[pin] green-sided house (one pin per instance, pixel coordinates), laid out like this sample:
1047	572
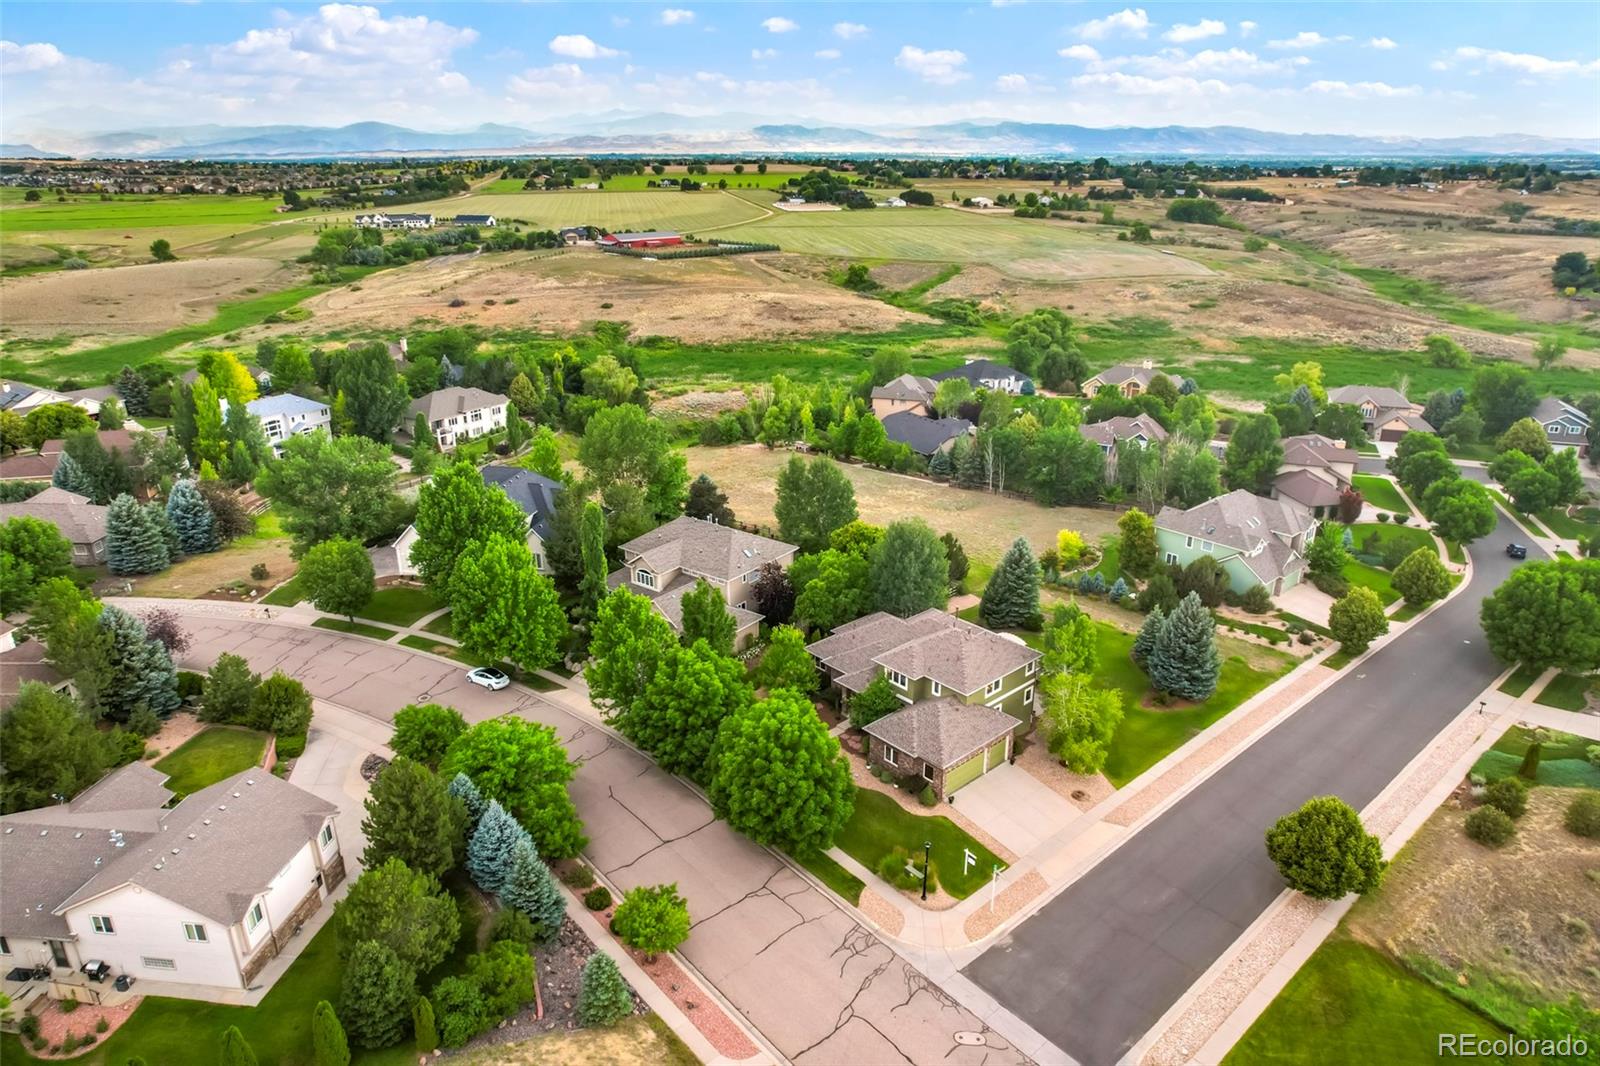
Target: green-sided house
1258	541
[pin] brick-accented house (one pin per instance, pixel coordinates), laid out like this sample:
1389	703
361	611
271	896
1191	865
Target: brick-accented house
666	563
908	392
1258	541
1386	414
204	893
945	742
1565	426
83	523
1129	380
457	414
1314	471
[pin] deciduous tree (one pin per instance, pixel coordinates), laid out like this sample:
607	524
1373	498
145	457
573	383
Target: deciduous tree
873	702
337	576
652	919
32	551
786	663
1547	614
1503	392
1460	509
706	617
1421	578
454	509
814	499
1080	720
631	463
908	571
229	687
1137	552
374	394
676	719
52	749
503	608
592	548
1254	454
1324	851
326	487
1071	642
1356	619
832	589
403	909
774	593
424	731
627	641
1526	436
521	764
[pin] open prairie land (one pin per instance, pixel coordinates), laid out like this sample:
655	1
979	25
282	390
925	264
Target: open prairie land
689	212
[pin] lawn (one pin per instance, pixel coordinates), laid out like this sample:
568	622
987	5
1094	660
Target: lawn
1381	493
1563	759
1351	1003
82	212
1413	537
1557	521
285	595
1520	679
1566	691
210	755
880	824
442	625
1371	577
360	629
824	868
400	605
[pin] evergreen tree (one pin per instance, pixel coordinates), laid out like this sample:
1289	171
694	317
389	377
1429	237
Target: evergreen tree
375	995
910	572
1149	633
156	515
192	519
524	397
142	674
708	502
1011	599
134	544
70	477
592	547
604	998
1185	661
940	464
328	1044
706	617
135	392
411	816
530	889
422	435
423	1027
462	788
490	848
236	1050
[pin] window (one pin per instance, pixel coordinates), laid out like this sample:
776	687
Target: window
644	579
158	964
326	836
1027	696
1172	557
992	687
5	946
253	919
101	923
1188	542
1206	545
897	679
927	772
1033	667
938	689
538	561
888	754
80	549
194	932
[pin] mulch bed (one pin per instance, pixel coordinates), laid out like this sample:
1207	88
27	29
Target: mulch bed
828	713
244	594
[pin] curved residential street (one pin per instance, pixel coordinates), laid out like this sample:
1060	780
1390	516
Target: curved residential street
1100	964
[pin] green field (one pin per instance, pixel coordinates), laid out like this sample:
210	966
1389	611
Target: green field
1380	492
687	212
880	824
88	211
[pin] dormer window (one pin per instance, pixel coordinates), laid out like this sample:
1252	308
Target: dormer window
644	579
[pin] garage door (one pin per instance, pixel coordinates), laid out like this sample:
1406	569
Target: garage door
997	753
1391	434
963	773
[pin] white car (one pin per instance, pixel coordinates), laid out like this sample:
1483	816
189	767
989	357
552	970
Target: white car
488	677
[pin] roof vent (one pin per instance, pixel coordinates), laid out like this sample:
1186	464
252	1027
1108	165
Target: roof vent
158	866
44	832
97	861
250	781
8	830
174	851
222	806
78	835
191	836
236	795
205	821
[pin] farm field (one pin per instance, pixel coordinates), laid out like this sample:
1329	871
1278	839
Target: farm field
985	524
1023	248
688	212
88	211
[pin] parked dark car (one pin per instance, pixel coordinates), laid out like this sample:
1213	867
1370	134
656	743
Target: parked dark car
1516	551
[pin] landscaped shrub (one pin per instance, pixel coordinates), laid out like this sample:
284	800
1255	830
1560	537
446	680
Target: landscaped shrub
1509	794
292	746
259	572
1335	585
578	877
190	684
926	796
1529	770
652	919
458	1010
597	898
1401	518
1583	815
28	1026
1383	516
605	998
504	975
69	1004
1256	600
1490	826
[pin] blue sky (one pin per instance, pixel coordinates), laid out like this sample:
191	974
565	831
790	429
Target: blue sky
1432	69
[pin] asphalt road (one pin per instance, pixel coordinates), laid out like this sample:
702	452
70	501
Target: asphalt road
1100	964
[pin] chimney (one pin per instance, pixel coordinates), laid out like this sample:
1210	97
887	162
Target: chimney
1149	364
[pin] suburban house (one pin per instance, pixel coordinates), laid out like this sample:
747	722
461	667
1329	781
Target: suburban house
457	413
925	436
666	562
204	893
1314	471
22	663
573	234
82	523
15	396
475	220
1141	429
286	415
986	374
389	220
1258	541
536	495
908	392
1386	414
954	678
651	239
1129	380
41	465
1565	426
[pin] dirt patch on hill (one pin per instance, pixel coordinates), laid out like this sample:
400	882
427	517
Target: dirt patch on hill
700	404
695	300
132	300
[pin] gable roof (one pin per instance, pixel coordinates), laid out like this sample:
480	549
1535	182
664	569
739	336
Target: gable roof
13	393
942	731
285	404
447	403
1116	375
1313	449
1553	408
977	370
961	656
534	493
1380	395
906	387
924	435
112	440
703	547
1122	427
80	521
1306	488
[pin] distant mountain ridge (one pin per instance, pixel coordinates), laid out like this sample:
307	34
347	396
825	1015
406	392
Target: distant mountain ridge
660	132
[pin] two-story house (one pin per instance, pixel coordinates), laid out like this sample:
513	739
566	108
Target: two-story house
204	893
986	374
457	413
908	392
536	495
666	562
1314	471
1386	414
967	692
1258	541
1129	380
286	415
1565	426
80	521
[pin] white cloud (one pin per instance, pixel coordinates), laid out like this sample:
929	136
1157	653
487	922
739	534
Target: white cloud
1247	28
558	83
1012	83
619	21
1439	64
1181	34
676	16
826	53
849	31
1131	21
941	66
1007	3
1235	62
763	53
1083	52
1363	90
578	46
1139	85
29	58
1307	39
1527	63
1382	44
779	24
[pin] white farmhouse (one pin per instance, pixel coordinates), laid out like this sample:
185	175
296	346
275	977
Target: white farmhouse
457	414
205	893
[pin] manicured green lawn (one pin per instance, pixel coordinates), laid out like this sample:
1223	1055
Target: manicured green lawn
1359	573
1453	549
825	869
1110	559
1561	524
1380	492
1413	537
360	629
285	595
880	824
1339	659
1563	759
1352	1004
1566	691
1520	679
1406	613
442	625
210	755
400	606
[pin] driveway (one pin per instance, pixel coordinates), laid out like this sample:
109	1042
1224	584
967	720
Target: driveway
822	988
1015	808
1100	963
1307	601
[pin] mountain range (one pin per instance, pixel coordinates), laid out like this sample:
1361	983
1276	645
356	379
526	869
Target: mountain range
620	132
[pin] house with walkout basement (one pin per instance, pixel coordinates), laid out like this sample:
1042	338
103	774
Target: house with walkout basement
1314	471
925	436
1386	414
1129	380
204	894
666	563
947	670
1564	424
1258	541
987	374
908	392
456	414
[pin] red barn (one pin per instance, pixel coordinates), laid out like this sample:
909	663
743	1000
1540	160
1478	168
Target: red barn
653	239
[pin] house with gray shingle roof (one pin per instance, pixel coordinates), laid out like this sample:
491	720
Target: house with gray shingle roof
456	414
925	436
284	415
988	374
536	495
666	563
1386	414
944	742
908	392
83	523
1565	426
1314	471
1125	378
1258	541
204	893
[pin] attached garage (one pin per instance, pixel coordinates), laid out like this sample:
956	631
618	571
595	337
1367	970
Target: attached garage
946	742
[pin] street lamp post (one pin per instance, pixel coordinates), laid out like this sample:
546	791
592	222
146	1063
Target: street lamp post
927	851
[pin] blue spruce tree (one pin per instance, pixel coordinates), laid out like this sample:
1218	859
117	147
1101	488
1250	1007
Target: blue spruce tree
462	788
1119	591
134	543
1185	661
489	851
530	889
70	477
1149	633
142	674
1011	599
192	519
